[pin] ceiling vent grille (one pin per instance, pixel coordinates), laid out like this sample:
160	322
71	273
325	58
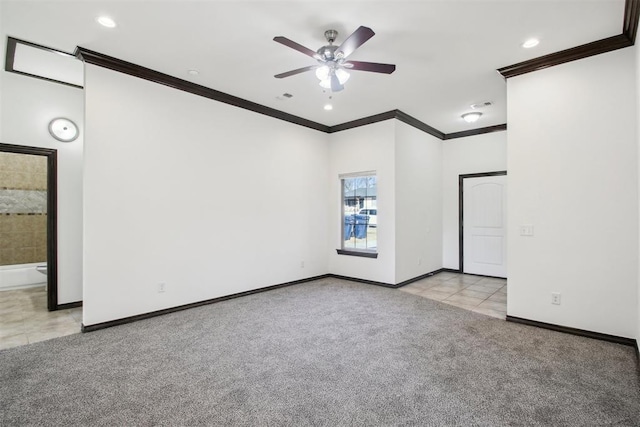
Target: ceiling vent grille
481	105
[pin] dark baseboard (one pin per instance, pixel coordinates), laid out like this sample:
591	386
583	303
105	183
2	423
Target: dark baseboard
365	281
69	305
481	275
415	279
573	331
125	320
449	270
387	285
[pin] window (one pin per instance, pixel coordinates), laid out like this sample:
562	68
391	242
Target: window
359	214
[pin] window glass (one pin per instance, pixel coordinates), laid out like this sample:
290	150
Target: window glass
359	213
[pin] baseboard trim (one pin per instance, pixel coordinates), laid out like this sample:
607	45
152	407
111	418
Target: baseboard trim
69	305
483	275
388	285
365	281
573	331
423	276
130	319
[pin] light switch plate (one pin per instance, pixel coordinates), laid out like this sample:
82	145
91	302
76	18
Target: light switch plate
526	230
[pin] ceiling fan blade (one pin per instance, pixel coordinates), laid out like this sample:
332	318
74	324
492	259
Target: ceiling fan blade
355	40
293	45
294	72
335	84
370	66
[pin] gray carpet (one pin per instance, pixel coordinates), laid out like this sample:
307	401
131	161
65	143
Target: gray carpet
324	353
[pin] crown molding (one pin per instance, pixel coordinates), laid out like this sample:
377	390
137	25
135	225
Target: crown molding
579	52
412	121
115	64
479	131
363	121
631	17
625	39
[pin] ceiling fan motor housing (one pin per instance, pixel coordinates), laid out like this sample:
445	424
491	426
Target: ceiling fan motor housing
328	53
331	36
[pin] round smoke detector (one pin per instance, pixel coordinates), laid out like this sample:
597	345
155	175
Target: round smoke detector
63	129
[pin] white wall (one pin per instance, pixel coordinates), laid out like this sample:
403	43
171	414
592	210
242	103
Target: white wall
473	154
572	161
207	198
28	105
418	194
366	148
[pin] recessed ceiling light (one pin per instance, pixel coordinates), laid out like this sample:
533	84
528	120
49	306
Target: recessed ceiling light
530	43
105	21
328	107
193	72
471	117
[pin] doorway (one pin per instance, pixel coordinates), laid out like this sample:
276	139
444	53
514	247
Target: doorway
51	215
482	224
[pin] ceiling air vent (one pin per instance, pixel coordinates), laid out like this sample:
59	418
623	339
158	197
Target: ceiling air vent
481	105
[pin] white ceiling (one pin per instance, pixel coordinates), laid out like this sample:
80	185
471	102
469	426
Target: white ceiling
446	51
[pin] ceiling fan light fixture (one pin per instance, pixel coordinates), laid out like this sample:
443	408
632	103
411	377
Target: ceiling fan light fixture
322	73
342	76
326	83
471	117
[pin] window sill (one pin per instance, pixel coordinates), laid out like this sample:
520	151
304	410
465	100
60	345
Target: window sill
357	253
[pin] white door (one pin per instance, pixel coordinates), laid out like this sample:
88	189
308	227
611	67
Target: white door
484	225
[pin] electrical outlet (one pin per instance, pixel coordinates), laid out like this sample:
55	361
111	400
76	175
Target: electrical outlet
301	264
555	298
419	261
162	287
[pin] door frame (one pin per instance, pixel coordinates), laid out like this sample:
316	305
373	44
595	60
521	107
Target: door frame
461	179
52	214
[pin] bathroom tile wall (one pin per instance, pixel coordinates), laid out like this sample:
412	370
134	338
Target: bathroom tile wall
23	171
23	208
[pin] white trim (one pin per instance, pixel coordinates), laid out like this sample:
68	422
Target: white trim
356	174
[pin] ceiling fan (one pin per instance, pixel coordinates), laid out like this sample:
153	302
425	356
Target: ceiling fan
332	60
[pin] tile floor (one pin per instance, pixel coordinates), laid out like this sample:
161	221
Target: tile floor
484	295
24	318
